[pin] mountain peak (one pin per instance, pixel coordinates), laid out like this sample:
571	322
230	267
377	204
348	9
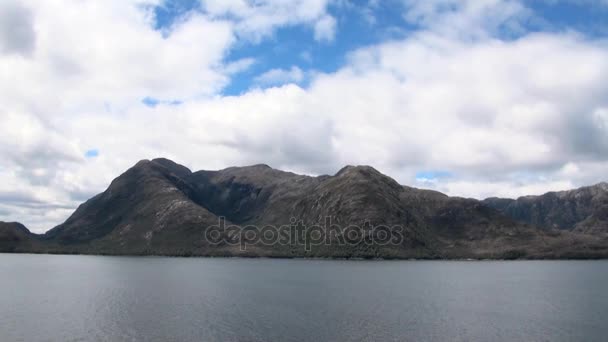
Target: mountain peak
142	163
14	225
172	166
252	168
357	168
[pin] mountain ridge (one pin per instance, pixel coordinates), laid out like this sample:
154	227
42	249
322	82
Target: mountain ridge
584	209
159	207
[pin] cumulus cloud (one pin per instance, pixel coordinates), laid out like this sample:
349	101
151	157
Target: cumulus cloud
112	60
503	117
484	110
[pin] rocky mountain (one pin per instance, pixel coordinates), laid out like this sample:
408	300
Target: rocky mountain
159	207
582	210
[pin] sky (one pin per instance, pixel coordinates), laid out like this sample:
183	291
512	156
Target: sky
474	98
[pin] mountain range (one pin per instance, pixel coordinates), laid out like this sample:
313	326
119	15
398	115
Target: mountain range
158	207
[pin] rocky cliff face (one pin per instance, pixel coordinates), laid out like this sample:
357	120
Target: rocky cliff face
160	207
583	210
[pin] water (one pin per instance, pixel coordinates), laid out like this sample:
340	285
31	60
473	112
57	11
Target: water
89	298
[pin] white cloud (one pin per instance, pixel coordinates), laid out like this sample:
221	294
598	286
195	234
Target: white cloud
467	18
256	19
239	65
280	76
325	29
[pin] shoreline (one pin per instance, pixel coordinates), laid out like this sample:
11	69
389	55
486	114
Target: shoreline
307	258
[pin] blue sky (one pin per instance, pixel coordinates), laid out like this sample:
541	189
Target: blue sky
92	153
588	16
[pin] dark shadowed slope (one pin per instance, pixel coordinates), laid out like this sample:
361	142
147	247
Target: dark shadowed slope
14	237
162	208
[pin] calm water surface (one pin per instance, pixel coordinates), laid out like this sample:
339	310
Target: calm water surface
89	298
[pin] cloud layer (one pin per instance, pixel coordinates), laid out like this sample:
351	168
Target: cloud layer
470	93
